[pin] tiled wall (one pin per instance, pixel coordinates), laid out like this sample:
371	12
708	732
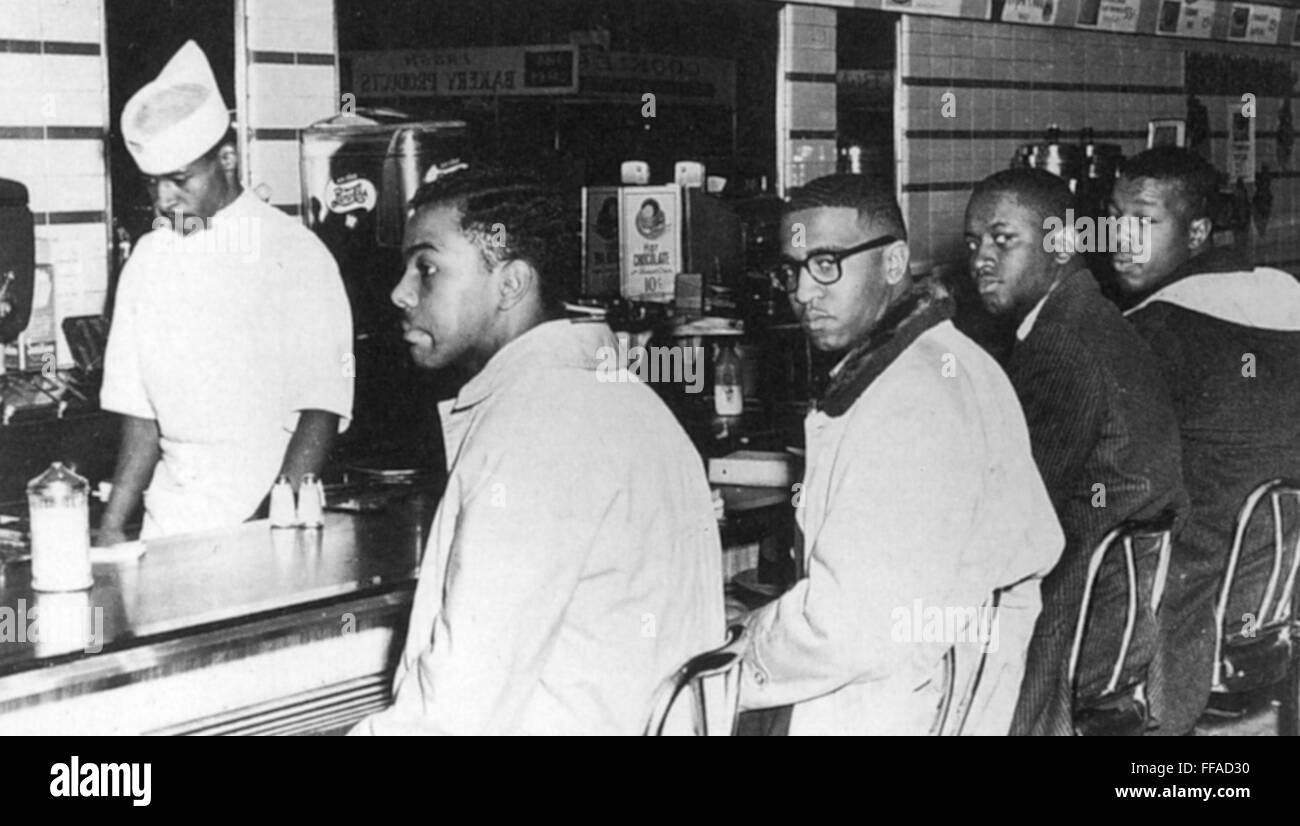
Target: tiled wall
806	117
289	81
53	122
1110	82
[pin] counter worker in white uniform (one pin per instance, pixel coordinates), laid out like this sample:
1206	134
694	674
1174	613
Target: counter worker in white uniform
229	355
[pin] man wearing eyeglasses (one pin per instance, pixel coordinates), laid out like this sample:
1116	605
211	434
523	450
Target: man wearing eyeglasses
920	496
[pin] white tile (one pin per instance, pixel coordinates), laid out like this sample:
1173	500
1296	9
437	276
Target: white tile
284	81
813	106
86	302
82	73
42	198
22	108
810	15
813	37
75	157
20	20
275	164
74	108
76	193
289	34
20	71
22	160
318	107
80	21
812	60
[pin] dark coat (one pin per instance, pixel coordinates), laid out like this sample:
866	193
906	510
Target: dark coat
1100	420
1237	431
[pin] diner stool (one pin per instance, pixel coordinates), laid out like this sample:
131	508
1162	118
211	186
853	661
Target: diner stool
964	671
1258	651
712	680
1121	707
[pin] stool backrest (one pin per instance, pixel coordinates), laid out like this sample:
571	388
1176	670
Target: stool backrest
1124	536
712	679
962	673
1275	607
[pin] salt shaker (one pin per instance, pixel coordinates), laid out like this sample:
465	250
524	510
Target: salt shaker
60	525
311	502
282	515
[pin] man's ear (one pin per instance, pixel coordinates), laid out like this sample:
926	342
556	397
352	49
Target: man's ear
897	257
1198	233
516	280
1065	245
228	157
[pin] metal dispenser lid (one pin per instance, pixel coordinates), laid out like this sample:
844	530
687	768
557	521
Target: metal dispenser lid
58	480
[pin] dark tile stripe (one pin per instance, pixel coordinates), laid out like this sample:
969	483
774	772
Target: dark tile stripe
810	77
813	134
22	133
276	134
49	47
51	218
271	57
21	46
291	58
1040	85
63	47
74	133
58	133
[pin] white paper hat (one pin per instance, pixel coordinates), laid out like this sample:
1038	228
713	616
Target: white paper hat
176	117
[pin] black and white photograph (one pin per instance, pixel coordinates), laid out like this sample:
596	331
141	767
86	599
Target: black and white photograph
651	367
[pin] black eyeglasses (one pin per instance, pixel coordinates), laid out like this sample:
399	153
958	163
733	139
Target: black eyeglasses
823	265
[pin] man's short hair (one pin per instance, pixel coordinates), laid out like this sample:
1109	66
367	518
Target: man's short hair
1195	181
874	202
1043	193
512	215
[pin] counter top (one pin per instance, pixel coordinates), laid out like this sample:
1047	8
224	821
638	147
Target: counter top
201	581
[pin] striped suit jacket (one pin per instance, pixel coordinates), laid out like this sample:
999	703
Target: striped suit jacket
1105	439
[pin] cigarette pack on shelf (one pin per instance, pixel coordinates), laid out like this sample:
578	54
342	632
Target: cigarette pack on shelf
650	236
600	258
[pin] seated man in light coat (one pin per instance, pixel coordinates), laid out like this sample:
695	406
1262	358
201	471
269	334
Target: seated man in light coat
920	497
574	561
